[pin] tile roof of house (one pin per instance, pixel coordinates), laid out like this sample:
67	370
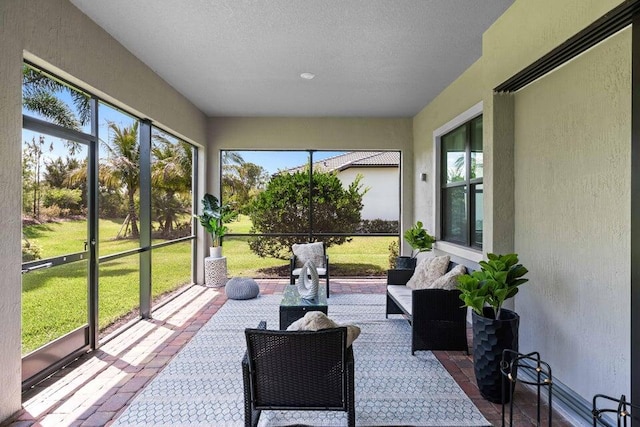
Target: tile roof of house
355	159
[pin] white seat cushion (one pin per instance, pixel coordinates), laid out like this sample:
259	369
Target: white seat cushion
402	295
321	271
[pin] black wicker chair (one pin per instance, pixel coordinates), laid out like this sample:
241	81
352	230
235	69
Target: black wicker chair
295	266
297	370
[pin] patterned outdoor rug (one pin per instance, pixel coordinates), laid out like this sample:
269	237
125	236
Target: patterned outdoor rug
203	384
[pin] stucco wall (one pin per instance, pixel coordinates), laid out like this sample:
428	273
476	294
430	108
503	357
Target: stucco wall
461	95
246	133
524	33
382	200
56	34
572	233
309	133
572	212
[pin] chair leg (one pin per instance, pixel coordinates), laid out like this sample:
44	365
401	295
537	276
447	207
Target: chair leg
327	286
255	418
352	417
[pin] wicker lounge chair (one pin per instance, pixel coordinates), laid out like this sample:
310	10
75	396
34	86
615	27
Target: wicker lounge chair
438	318
297	370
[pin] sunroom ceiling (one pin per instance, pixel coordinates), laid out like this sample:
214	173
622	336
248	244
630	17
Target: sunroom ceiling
386	58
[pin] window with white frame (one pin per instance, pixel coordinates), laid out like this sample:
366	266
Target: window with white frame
461	187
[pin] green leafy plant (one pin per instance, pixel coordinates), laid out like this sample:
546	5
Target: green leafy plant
214	216
30	251
283	207
418	238
393	254
496	281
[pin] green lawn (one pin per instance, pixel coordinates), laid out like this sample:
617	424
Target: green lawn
363	256
54	300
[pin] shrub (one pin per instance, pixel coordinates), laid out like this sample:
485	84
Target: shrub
111	203
378	226
284	208
53	212
181	229
393	254
30	251
66	198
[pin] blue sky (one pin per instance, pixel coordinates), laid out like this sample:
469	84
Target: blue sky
106	114
274	161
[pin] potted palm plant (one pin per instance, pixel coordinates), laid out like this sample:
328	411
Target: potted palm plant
214	216
494	327
420	241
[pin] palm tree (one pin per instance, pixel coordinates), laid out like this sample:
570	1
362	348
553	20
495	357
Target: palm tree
40	95
171	174
122	168
231	157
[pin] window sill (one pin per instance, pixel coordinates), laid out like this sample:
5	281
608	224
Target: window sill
461	251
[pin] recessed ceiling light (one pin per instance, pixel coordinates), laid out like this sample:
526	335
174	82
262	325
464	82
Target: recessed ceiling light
307	76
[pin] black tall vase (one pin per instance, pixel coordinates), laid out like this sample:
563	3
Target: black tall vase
490	338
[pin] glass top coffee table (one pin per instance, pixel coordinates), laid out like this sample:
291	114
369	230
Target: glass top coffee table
293	307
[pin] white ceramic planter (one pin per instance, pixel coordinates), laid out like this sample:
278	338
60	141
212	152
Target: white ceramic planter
215	251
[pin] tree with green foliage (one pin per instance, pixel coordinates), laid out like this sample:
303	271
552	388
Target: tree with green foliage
171	181
40	94
121	168
69	173
241	183
69	200
32	163
56	171
231	157
283	207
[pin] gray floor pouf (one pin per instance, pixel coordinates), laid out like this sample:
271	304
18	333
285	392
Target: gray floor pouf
242	288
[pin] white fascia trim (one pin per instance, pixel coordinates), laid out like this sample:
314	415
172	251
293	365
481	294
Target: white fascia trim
460	119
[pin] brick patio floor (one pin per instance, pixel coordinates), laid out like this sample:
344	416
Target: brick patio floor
96	388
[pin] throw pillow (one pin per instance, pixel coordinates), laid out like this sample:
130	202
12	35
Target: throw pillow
450	280
313	252
427	271
316	320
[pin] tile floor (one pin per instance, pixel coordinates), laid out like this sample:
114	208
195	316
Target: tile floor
96	388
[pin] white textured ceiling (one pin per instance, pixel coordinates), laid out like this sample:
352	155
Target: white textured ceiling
386	58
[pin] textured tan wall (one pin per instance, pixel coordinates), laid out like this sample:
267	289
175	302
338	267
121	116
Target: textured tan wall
555	222
529	29
303	133
572	211
54	32
524	33
461	95
10	225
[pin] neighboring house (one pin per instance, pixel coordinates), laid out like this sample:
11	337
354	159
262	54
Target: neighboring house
380	172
